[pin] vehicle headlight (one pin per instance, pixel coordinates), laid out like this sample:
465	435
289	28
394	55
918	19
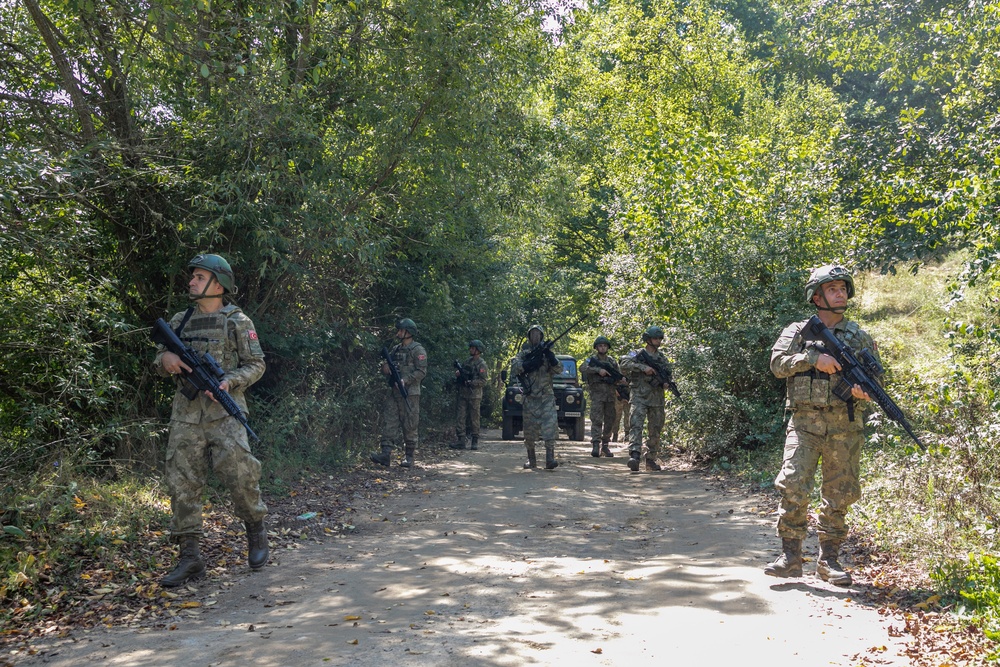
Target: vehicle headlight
570	399
518	398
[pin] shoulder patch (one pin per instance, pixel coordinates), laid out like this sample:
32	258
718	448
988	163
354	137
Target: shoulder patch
421	357
252	335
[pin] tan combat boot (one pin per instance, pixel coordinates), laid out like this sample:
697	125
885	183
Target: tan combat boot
789	563
828	568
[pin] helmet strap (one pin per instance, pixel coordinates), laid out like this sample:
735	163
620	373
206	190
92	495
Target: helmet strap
826	306
204	293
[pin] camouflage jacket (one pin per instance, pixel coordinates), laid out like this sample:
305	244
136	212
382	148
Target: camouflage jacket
476	369
411	360
644	392
601	388
230	337
794	357
539	380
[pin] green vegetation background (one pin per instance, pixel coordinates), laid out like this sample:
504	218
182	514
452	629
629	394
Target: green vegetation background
478	167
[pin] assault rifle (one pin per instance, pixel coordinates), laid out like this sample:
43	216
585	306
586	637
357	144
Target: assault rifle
205	373
613	375
860	370
465	376
663	376
534	359
394	378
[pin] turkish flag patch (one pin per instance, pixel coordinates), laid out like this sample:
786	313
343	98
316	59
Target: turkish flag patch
252	335
421	357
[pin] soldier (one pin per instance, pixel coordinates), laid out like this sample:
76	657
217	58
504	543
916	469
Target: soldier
822	426
401	416
541	416
601	384
200	426
647	398
471	379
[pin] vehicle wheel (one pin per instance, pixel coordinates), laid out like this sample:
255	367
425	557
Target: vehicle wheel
507	431
579	429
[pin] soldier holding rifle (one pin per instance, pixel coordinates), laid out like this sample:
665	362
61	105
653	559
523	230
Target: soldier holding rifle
404	367
199	422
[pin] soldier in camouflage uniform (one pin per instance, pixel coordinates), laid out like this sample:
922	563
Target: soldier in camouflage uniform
470	395
540	414
601	385
622	413
647	402
200	429
401	416
821	428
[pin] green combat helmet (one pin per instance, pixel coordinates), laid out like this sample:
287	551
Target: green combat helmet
219	267
478	344
407	325
653	332
827	274
602	339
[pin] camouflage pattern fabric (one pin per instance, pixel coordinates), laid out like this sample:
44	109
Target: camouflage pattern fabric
229	336
191	449
540	413
202	432
602	400
643	392
411	360
400	420
819	433
653	416
812	436
622	416
646	404
470	397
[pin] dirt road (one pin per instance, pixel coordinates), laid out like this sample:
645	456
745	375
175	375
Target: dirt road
488	564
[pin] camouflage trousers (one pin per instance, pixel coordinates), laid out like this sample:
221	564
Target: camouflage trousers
815	435
602	419
190	449
467	414
541	419
653	416
622	413
400	418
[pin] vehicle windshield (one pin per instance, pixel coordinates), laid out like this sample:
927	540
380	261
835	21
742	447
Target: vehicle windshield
568	371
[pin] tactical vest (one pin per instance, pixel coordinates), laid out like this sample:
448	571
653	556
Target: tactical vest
812	388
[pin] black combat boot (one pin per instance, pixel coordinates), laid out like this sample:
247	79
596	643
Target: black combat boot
256	544
633	461
550	457
383	459
828	568
190	566
652	465
532	462
475	442
408	453
789	563
458	444
596	450
606	451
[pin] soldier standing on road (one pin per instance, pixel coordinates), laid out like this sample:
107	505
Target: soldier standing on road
647	402
820	428
601	385
401	416
541	416
201	429
470	395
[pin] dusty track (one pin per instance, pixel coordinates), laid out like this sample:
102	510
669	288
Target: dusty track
487	564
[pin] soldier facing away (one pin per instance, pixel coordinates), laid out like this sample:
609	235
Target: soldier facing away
822	427
400	417
540	414
601	384
471	379
201	429
647	403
